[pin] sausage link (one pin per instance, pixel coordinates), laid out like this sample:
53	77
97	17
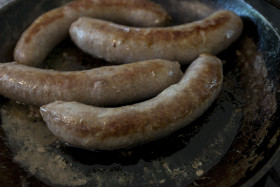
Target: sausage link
183	43
112	128
108	85
52	27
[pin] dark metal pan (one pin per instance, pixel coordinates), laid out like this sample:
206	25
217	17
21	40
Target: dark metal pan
232	144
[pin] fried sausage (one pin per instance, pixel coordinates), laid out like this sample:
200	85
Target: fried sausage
104	86
112	128
183	43
52	27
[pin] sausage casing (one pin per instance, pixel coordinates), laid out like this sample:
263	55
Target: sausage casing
108	85
183	43
112	128
52	27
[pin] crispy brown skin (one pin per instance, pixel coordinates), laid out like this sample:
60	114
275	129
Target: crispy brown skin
112	128
183	43
52	27
104	86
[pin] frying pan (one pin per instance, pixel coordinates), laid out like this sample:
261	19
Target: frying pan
233	143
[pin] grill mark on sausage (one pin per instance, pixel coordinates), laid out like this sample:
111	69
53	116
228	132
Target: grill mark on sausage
49	18
78	5
161	34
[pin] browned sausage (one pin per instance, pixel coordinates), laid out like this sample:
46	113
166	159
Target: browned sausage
183	43
112	128
52	27
111	85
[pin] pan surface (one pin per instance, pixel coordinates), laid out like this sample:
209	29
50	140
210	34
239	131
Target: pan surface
228	145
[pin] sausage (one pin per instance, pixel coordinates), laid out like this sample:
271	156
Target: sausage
112	128
104	86
183	43
52	27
